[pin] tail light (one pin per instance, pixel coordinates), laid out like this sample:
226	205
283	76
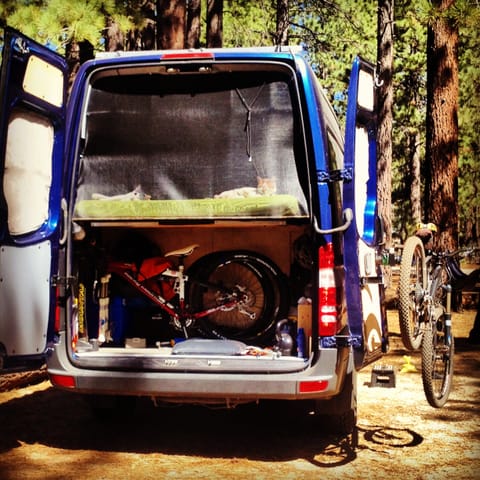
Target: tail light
189	55
327	292
57	309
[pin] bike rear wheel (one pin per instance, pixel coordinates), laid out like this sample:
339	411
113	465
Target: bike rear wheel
437	364
216	279
412	285
437	349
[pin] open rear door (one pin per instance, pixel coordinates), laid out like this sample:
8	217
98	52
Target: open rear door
32	96
363	275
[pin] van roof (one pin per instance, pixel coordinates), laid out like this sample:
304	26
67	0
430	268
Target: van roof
288	49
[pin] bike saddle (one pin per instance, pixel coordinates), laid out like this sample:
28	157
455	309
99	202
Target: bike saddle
425	232
459	279
455	270
182	252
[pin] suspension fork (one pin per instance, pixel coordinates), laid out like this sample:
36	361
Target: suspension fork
448	315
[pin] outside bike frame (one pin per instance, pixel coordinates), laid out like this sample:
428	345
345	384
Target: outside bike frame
438	341
425	294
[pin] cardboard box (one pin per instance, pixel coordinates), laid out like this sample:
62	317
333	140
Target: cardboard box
304	318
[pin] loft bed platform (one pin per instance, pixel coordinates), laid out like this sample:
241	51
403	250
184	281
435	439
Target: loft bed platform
205	210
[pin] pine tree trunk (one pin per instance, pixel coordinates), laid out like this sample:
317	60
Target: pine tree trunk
144	36
415	172
385	114
148	32
214	23
113	36
476	236
171	24
76	53
441	173
281	35
193	24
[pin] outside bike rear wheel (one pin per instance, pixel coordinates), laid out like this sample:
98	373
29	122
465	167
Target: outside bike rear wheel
437	364
412	285
216	279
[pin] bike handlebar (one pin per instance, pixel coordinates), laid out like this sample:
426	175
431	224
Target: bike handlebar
461	251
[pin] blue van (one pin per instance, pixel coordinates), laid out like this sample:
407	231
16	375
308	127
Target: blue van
191	226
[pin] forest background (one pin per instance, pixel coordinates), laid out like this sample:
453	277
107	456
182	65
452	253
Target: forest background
332	33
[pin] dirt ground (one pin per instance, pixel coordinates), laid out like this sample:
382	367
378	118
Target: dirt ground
48	434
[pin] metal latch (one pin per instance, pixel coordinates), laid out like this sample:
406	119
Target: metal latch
354	341
343	174
371	281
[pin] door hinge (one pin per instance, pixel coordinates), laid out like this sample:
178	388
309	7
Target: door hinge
58	280
371	281
344	174
354	341
21	46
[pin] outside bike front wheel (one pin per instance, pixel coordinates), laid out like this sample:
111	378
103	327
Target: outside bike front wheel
243	291
412	285
437	364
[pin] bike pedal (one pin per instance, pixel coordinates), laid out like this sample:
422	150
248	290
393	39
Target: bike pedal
383	376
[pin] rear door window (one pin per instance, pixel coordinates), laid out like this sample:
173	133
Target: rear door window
229	135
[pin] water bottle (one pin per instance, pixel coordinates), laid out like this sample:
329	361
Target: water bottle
301	343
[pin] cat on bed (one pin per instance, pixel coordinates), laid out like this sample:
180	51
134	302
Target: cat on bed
265	187
136	194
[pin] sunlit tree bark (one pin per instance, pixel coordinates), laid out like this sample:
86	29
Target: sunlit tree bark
171	24
214	23
281	36
441	173
385	113
193	24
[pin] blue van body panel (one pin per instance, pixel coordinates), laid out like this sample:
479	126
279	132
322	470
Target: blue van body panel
32	316
351	237
16	53
317	130
358	118
353	119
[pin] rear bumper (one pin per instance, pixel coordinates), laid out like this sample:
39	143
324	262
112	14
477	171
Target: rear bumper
321	380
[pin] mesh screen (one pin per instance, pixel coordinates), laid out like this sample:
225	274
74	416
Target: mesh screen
196	142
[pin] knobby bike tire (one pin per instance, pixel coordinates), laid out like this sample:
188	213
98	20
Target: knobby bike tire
412	282
437	357
229	270
278	280
437	367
